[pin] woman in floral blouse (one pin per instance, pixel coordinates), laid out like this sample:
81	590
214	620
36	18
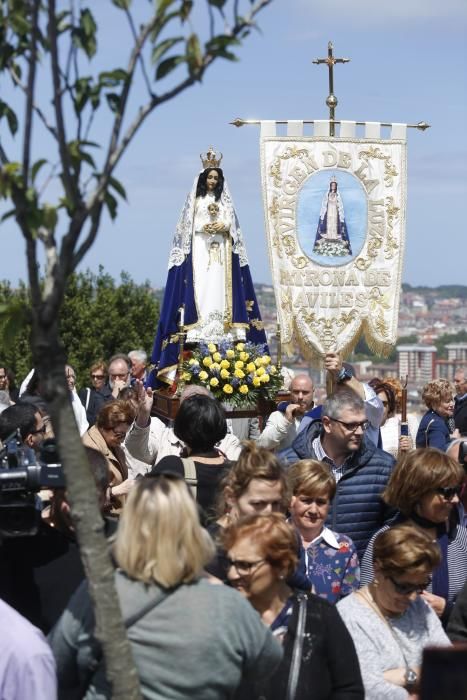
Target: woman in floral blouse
328	558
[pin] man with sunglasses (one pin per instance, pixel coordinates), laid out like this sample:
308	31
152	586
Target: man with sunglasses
361	469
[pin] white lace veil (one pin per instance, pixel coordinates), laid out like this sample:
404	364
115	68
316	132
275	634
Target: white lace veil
181	244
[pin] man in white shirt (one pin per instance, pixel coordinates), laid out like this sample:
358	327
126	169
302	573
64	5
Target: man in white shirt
282	425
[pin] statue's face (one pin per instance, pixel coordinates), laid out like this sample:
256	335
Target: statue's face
212	180
333	186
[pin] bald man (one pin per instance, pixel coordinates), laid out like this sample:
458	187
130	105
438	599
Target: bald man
282	425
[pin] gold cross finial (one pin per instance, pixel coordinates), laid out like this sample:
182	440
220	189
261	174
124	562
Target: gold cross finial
331	100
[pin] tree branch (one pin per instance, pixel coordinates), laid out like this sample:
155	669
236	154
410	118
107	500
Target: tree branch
115	152
30	92
141	60
69	184
90	238
16	79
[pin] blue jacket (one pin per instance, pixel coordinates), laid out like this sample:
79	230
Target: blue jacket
433	431
357	509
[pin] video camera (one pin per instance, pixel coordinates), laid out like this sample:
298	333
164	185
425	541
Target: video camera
22	475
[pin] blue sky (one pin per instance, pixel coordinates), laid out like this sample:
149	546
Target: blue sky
408	64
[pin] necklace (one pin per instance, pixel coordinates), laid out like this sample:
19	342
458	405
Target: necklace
365	593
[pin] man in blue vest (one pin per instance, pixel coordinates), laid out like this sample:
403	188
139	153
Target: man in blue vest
361	470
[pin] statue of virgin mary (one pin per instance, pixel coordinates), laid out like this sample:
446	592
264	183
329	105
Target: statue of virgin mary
332	238
208	276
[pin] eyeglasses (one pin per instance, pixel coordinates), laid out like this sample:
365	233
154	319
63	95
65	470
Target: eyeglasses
408	588
448	492
98	376
352	427
39	431
123	375
244	568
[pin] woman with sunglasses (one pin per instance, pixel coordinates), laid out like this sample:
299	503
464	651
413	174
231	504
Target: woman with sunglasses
190	638
425	487
319	658
94	396
107	436
388	619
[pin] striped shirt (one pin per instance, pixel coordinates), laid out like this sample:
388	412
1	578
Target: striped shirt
457	561
321	456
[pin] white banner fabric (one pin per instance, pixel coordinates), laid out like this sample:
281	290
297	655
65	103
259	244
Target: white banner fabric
335	218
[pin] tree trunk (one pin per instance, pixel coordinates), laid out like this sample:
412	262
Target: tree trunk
49	359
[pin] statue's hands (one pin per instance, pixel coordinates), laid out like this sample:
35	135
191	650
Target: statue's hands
219	227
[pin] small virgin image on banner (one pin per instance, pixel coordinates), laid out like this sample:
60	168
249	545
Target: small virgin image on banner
335	221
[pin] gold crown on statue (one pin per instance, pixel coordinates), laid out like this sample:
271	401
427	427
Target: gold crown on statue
211	159
333	178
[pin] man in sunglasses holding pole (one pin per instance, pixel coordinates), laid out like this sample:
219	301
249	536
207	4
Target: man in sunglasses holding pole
361	469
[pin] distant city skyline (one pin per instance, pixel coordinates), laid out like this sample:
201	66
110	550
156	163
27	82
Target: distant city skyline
408	62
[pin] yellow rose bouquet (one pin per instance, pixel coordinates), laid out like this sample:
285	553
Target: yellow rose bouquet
240	373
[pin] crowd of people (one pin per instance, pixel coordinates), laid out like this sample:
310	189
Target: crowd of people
317	559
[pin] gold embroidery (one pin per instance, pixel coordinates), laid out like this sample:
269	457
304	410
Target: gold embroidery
392	214
327	329
249	303
256	323
390	171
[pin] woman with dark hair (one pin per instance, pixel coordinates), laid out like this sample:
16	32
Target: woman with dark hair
200	423
388	619
94	396
389	391
208	275
319	657
425	487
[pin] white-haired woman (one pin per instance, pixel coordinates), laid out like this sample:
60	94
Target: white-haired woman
198	638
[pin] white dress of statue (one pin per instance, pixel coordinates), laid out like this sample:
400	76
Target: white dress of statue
332	233
212	250
208	227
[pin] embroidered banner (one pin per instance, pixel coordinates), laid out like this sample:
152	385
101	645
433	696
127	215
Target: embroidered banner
335	219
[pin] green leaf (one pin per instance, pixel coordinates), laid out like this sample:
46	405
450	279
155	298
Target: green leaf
117	185
217	3
162	48
84	36
50	217
220	42
82	92
112	78
113	100
7	112
185	10
112	204
8	214
61	21
193	55
162	5
36	167
165	67
122	4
